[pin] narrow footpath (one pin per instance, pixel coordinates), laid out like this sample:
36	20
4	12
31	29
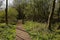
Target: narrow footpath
21	34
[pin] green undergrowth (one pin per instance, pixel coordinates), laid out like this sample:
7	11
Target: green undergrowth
7	32
38	31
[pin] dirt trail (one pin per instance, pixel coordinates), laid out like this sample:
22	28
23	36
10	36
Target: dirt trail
21	34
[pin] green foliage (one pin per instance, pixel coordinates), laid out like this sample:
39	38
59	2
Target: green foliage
37	10
12	15
7	32
38	31
2	15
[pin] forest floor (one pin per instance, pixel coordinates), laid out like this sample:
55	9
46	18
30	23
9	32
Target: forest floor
37	31
21	33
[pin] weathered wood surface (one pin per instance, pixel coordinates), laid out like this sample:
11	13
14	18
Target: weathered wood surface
21	34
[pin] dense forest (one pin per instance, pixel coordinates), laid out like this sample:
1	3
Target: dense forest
40	18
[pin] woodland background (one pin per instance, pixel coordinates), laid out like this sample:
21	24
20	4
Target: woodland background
41	19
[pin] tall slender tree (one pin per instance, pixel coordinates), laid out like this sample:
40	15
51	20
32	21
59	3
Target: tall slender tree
51	15
59	11
6	10
19	6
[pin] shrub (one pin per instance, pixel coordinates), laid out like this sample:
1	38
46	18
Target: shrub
7	32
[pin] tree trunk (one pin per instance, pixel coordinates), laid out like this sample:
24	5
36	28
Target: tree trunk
6	10
20	15
59	14
51	16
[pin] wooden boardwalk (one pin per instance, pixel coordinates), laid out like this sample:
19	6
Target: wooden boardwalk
21	34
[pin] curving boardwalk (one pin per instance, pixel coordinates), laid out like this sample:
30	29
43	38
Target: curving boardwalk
21	34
